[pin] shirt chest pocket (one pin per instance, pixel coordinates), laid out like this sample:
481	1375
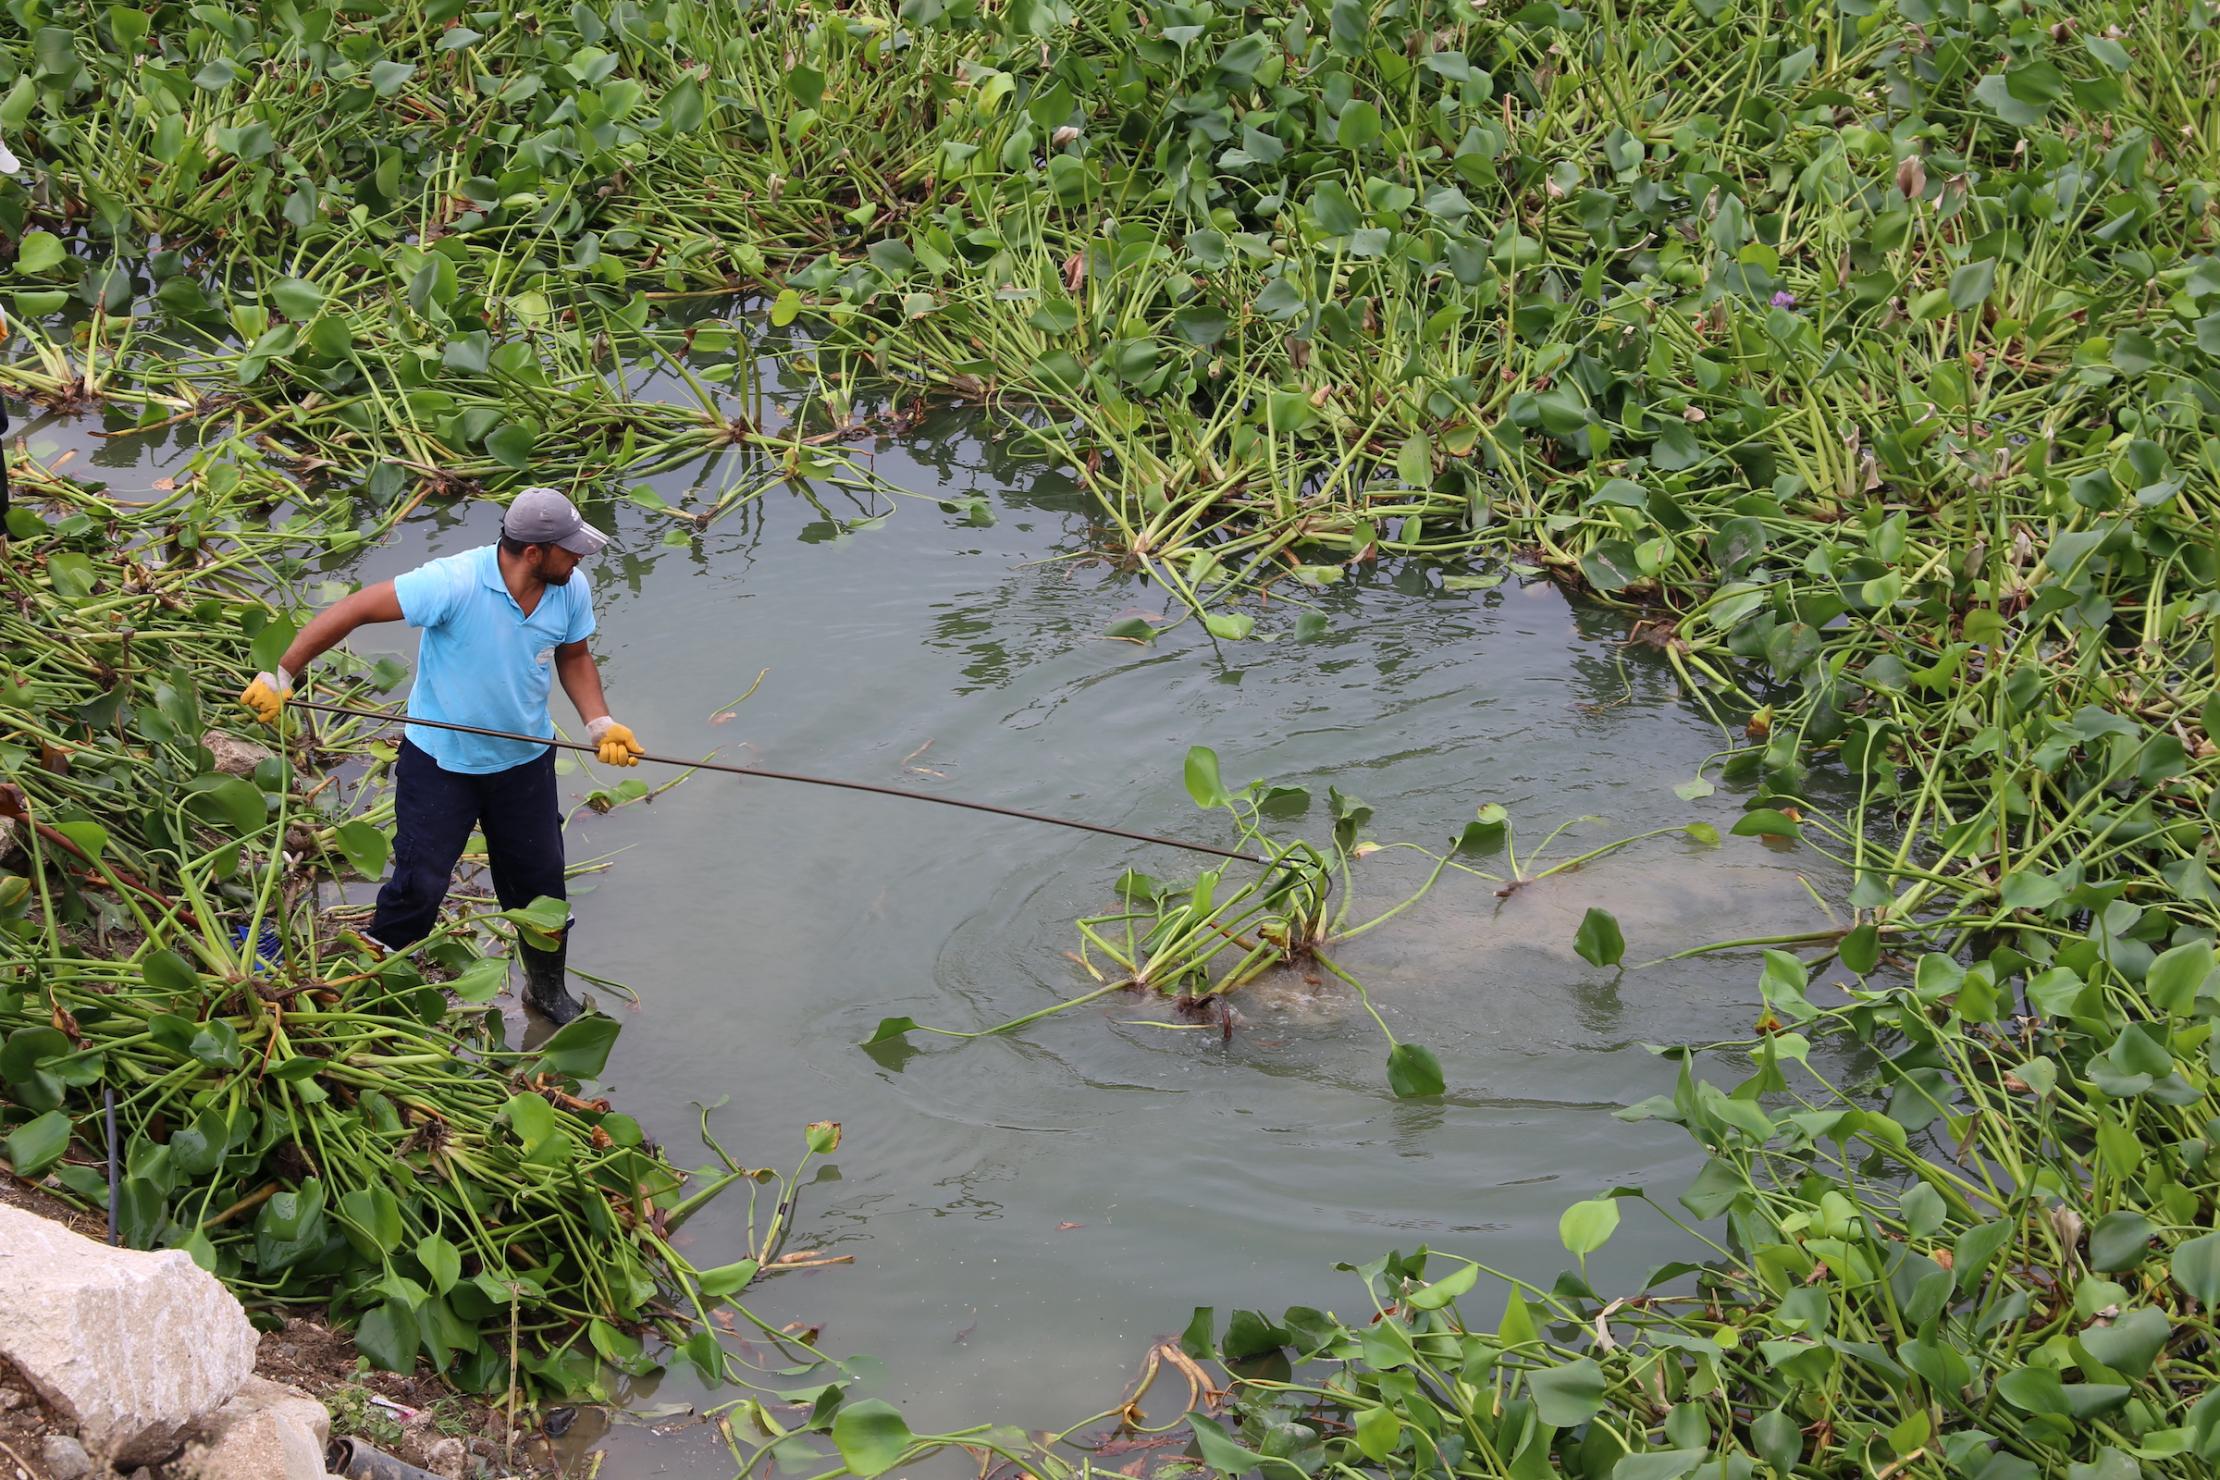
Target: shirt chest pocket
543	632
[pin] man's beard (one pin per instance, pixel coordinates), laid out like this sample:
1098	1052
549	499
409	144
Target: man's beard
561	580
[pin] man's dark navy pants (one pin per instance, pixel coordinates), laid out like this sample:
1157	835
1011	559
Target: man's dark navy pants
433	813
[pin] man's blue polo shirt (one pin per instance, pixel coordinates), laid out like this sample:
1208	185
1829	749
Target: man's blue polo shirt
484	662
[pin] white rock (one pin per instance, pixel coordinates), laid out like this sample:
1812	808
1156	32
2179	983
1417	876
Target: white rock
268	1431
65	1458
129	1348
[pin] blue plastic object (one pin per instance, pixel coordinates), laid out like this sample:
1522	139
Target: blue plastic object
269	951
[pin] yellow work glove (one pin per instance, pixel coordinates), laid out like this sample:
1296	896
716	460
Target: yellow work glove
267	695
613	743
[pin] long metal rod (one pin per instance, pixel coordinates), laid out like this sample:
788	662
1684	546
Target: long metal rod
768	775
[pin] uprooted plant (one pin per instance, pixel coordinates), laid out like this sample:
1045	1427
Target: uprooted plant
1195	945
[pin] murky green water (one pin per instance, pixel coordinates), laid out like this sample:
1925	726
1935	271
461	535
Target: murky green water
1026	1214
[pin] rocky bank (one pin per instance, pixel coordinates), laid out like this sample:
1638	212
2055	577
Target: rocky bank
141	1361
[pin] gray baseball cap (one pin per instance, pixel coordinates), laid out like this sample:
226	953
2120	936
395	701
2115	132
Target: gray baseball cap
541	516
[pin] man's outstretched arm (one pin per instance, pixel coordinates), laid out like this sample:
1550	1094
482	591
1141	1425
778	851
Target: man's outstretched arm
269	691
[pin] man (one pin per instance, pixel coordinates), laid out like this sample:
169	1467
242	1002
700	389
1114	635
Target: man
501	624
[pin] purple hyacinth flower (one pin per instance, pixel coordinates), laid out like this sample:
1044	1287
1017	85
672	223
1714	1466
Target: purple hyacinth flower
1784	299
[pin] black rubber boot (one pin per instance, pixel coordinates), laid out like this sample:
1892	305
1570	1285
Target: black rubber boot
544	991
